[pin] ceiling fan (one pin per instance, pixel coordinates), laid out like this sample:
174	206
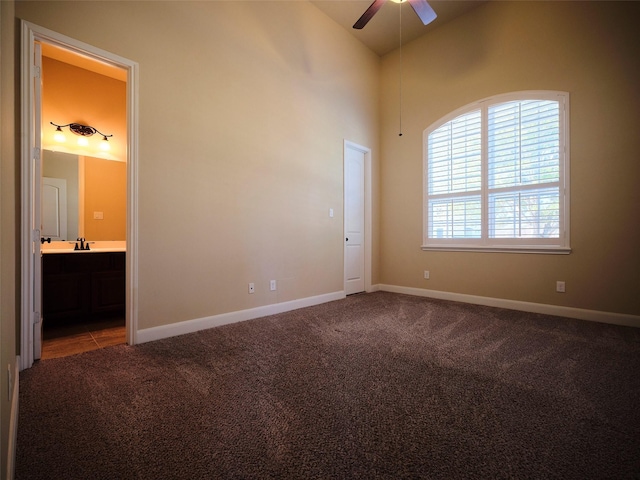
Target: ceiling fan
421	7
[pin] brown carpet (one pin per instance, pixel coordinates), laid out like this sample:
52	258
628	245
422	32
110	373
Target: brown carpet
374	386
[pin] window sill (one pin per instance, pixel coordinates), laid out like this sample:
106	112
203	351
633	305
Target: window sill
500	249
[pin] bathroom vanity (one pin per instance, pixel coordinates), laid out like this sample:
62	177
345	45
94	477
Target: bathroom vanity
82	285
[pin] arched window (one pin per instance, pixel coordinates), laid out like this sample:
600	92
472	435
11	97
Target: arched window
496	175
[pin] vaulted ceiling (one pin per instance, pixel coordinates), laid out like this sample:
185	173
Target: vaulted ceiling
382	33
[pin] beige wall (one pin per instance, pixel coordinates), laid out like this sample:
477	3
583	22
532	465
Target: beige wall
244	107
589	49
9	275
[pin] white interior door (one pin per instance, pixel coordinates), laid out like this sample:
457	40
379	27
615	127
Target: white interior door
54	208
354	198
37	203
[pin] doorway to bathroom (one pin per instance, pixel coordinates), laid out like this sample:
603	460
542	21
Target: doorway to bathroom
79	111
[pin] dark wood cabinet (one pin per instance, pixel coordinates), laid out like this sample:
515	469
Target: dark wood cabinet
82	285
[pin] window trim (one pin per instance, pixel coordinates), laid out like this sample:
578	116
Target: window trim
502	245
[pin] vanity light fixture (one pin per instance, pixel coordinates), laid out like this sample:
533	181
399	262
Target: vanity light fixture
83	131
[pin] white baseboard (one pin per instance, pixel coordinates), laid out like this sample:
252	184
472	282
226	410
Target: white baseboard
579	313
190	326
13	421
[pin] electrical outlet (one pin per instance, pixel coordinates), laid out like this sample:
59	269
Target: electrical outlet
252	288
272	285
426	274
560	287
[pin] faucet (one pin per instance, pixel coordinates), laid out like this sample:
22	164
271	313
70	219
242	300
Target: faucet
84	245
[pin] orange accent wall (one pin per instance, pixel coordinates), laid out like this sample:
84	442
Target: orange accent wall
75	95
105	191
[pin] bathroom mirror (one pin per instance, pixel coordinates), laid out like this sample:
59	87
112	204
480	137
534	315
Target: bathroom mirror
90	192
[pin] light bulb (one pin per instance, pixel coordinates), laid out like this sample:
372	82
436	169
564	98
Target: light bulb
58	136
83	141
104	144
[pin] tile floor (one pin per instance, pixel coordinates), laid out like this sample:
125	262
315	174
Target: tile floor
70	339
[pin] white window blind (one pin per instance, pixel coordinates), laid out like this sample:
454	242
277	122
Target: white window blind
496	175
454	172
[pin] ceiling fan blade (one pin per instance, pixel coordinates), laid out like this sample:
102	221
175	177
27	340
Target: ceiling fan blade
423	10
369	13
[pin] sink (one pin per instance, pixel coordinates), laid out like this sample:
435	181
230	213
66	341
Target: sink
97	247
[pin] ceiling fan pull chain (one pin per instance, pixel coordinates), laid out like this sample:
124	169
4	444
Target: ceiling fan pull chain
400	134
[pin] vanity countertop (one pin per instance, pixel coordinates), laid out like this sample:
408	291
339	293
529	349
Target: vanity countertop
45	251
95	247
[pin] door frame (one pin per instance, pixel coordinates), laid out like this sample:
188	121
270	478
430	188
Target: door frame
31	33
367	212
